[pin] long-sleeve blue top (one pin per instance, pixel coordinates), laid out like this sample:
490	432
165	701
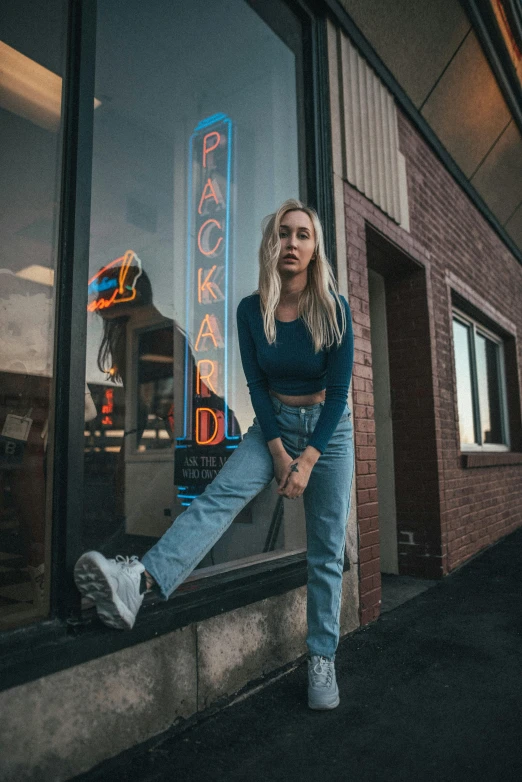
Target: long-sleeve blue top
291	366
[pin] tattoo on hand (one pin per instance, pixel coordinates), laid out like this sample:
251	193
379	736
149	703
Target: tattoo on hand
294	468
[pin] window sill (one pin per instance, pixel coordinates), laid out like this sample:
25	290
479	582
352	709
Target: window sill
491	459
30	652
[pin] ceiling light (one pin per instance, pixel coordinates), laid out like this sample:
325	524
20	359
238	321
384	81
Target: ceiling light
36	273
30	90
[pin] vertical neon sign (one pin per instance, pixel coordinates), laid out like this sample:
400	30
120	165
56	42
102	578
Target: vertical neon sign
107	407
207	437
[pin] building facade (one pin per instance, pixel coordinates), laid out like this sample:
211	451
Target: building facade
146	143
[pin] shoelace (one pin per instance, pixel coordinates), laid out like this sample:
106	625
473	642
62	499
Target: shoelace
323	671
126	561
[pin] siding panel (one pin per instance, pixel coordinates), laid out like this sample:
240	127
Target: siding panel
371	136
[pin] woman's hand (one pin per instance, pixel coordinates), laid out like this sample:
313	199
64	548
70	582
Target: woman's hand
282	461
295	480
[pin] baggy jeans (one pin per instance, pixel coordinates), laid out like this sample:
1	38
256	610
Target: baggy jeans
242	477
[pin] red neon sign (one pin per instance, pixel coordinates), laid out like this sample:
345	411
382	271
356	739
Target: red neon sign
207	421
209	329
205	237
208	288
209	191
206	414
207	148
209	431
204	371
107	407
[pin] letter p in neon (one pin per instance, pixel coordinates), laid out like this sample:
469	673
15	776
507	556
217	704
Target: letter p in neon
208	147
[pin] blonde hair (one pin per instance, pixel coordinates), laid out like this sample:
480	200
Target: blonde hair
317	302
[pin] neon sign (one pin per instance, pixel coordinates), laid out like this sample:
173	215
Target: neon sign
115	283
207	428
107	407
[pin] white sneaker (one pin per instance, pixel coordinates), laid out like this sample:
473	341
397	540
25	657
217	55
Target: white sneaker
113	585
323	692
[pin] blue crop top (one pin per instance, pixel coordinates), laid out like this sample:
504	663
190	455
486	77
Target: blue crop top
291	366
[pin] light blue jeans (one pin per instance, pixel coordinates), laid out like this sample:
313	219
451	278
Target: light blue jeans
243	476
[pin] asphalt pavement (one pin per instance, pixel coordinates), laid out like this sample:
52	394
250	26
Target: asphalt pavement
430	692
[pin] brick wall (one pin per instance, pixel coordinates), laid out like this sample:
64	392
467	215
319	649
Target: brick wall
473	507
363	411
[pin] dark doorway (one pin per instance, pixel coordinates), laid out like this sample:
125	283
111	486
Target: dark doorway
407	469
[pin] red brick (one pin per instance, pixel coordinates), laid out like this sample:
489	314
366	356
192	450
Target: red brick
369	538
369	509
366	481
365	555
366	452
367	584
453	512
369	568
365	425
369	615
363	496
370	598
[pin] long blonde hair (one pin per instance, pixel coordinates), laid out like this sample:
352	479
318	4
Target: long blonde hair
317	303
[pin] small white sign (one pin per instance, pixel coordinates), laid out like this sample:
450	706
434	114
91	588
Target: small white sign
17	427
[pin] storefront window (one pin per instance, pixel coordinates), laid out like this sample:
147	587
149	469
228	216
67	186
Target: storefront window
31	54
196	140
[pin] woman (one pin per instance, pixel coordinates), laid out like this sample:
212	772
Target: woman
296	344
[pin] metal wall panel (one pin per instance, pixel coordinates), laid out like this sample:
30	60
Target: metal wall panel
371	139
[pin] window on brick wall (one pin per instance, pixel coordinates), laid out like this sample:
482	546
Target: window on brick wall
481	385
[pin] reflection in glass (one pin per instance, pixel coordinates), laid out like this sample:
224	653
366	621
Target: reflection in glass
489	389
31	53
190	153
461	344
155	397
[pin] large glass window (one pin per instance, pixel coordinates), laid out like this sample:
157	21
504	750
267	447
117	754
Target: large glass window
196	139
32	39
481	395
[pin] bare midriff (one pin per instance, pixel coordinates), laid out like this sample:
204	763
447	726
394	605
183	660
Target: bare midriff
298	401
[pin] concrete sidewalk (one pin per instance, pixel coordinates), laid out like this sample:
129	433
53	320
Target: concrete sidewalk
432	691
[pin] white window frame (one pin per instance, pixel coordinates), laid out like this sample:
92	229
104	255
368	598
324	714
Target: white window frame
478	329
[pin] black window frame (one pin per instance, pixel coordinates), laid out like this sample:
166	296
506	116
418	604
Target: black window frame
69	636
